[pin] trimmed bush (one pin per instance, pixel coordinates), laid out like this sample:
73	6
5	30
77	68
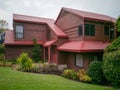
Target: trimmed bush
111	67
25	62
96	73
82	75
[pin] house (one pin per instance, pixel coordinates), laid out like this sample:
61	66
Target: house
2	37
75	38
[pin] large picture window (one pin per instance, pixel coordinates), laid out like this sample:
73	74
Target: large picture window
79	60
89	30
19	31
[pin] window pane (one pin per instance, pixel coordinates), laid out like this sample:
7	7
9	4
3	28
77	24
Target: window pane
80	30
87	29
19	31
79	60
19	35
92	30
106	30
19	28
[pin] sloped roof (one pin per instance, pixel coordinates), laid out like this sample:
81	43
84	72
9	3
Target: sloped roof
9	40
49	22
48	43
83	46
88	15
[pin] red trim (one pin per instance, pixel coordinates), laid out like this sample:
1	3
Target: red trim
95	50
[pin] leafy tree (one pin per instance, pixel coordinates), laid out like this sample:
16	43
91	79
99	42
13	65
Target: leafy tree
111	63
111	67
118	24
36	51
3	25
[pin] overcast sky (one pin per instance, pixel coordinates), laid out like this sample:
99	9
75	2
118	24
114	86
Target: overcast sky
51	8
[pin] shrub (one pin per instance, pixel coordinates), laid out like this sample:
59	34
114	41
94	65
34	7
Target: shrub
96	73
25	62
71	74
82	75
2	56
111	67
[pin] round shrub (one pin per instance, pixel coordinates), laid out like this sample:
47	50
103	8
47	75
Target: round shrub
25	62
96	73
111	67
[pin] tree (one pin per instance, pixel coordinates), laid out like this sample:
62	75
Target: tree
36	51
3	25
111	63
118	24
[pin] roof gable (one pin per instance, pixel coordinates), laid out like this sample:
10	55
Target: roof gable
49	22
87	15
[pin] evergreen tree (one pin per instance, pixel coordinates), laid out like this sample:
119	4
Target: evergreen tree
36	51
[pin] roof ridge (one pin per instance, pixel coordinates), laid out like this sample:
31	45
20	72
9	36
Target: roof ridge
32	16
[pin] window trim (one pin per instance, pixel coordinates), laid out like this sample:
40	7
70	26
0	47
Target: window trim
18	24
82	65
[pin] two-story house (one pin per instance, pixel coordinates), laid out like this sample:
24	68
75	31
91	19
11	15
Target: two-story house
75	38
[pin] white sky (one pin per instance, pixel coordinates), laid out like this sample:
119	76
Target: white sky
51	8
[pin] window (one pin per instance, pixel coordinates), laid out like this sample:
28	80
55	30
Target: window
89	30
80	30
106	30
19	31
79	60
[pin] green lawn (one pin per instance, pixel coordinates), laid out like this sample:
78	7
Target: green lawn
15	80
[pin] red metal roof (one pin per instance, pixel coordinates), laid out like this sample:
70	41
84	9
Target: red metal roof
48	43
9	40
49	22
88	15
83	46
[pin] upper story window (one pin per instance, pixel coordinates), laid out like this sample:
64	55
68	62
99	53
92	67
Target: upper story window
89	30
80	30
106	30
19	31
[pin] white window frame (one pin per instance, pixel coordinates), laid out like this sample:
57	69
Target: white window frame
79	60
19	31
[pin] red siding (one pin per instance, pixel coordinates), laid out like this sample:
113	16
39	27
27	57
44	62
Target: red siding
12	52
32	30
70	26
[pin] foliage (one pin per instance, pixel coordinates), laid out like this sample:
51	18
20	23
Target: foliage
82	75
111	67
2	56
96	73
2	49
3	24
25	62
36	51
118	24
13	80
71	74
115	45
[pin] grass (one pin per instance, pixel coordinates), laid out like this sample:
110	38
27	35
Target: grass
15	80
